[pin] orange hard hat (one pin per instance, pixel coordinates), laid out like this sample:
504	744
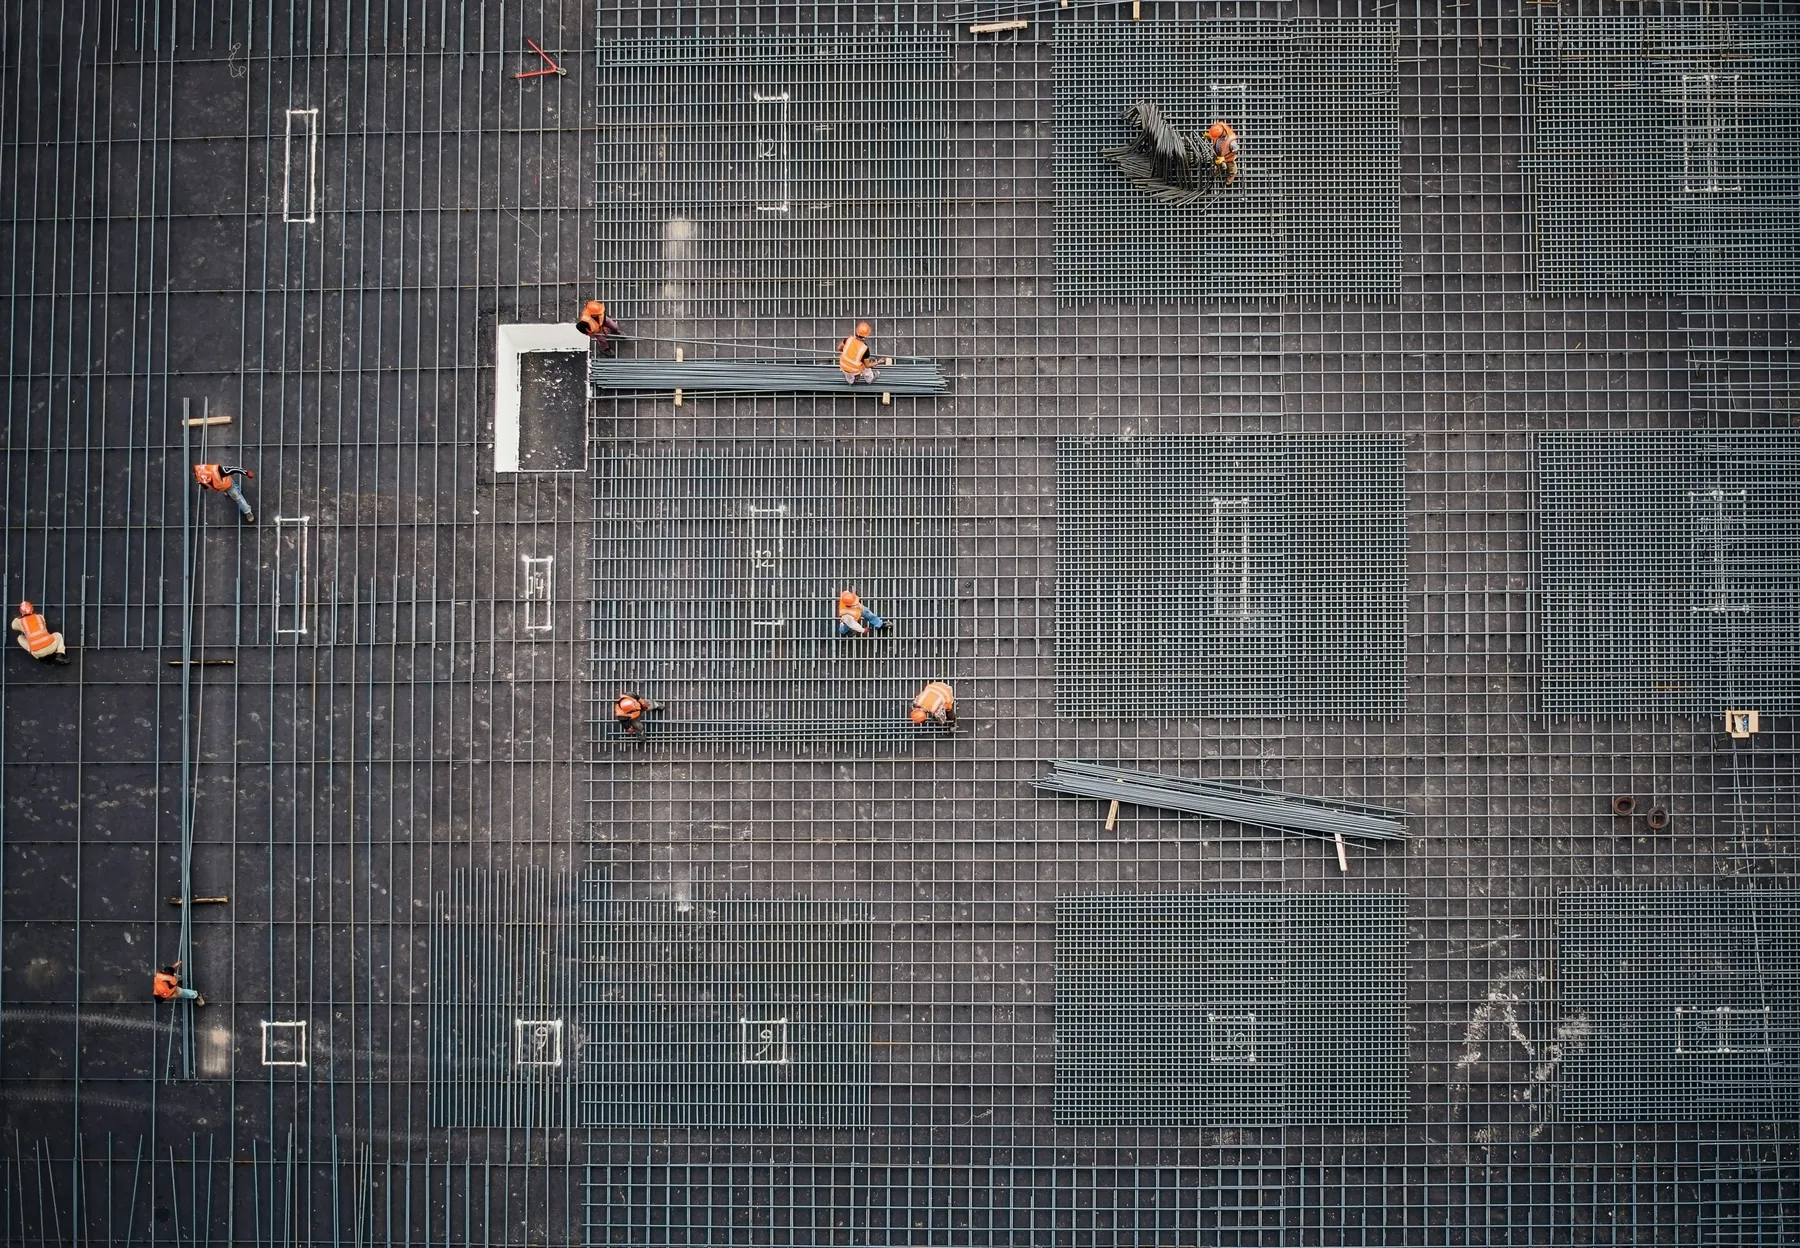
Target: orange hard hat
918	714
847	597
1216	130
629	703
25	608
863	330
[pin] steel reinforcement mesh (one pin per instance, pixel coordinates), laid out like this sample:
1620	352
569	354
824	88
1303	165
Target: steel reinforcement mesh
717	570
1230	575
1662	150
1315	208
775	175
1669	571
435	714
1231	1010
1677	1005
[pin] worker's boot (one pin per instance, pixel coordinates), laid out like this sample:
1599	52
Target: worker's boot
61	660
199	1000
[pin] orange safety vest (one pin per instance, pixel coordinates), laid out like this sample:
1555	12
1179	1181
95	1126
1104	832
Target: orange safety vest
850	610
36	634
935	699
853	355
165	986
1227	144
593	318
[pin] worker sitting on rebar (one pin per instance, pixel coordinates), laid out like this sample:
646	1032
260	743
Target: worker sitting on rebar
1225	149
224	480
36	638
630	709
853	356
856	616
936	705
596	324
166	986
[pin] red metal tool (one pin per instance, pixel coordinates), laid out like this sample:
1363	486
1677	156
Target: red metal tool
554	68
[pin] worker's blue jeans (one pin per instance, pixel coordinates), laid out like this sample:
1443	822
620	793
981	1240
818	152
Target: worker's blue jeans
186	994
236	495
870	621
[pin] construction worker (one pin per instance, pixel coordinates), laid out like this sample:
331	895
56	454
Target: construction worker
1225	149
36	638
630	708
224	480
853	356
853	616
935	704
166	986
596	324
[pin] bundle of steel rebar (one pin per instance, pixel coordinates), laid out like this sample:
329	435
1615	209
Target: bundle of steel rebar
1213	799
762	376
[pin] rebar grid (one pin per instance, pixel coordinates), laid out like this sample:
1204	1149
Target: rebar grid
1231	1010
452	194
778	176
1231	576
1669	571
1315	208
1662	151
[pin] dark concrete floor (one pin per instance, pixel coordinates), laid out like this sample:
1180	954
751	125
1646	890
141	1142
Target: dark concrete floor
337	779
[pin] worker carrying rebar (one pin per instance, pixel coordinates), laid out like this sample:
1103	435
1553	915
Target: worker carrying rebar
1225	149
224	480
935	705
166	986
630	710
596	324
854	358
856	616
36	638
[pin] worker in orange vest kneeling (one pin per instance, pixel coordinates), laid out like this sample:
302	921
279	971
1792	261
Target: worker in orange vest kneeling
166	986
596	324
936	705
630	709
36	638
854	358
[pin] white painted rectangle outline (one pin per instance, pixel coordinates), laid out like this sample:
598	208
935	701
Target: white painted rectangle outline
762	1041
510	342
771	152
299	204
539	581
1710	105
296	1032
537	1042
1231	1039
1231	558
300	599
768	535
1722	1024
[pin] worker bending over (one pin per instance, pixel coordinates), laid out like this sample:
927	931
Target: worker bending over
224	480
630	709
596	324
935	704
166	986
853	356
1225	149
36	638
853	616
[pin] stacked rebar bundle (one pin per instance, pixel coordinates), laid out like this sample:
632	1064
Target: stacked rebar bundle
758	376
1213	799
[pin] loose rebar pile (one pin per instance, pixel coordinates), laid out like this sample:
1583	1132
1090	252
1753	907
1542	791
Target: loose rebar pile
1257	808
758	376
